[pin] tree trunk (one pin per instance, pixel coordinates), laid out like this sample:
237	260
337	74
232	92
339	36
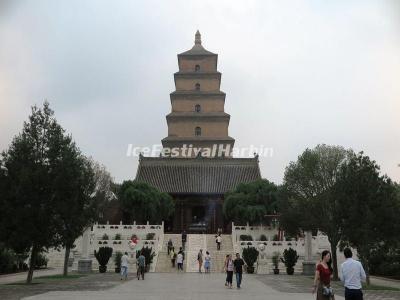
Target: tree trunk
66	258
32	262
334	259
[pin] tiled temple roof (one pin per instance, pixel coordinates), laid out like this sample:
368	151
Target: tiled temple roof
197	175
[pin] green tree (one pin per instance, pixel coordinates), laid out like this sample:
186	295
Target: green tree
371	208
28	222
142	202
76	207
250	202
308	200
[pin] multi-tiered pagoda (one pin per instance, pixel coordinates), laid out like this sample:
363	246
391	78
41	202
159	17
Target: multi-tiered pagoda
197	167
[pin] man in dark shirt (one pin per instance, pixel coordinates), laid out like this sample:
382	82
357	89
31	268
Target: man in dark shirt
184	235
238	264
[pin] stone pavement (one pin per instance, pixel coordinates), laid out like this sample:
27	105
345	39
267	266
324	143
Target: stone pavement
182	286
303	284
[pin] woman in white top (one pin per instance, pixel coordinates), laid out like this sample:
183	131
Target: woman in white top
179	261
229	270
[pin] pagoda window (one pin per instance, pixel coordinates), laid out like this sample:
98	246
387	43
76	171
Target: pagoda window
197	68
197	131
197	108
197	86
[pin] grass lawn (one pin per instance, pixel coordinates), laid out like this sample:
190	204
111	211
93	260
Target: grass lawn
49	278
373	287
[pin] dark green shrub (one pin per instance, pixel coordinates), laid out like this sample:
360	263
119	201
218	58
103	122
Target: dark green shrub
117	259
148	254
275	259
103	256
250	255
105	237
290	258
41	261
150	236
8	260
117	237
263	237
245	237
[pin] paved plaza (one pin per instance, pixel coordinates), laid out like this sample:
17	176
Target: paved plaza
176	286
181	286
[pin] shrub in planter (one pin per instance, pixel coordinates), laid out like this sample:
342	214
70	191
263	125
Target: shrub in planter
150	236
117	261
250	255
290	258
245	237
104	237
117	237
41	261
263	237
103	256
148	255
275	261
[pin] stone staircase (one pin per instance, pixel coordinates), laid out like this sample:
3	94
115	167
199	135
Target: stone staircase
218	256
164	261
195	242
207	243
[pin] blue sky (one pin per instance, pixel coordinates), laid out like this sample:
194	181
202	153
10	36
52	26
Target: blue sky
296	73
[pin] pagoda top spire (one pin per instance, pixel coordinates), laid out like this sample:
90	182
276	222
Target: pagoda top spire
197	48
197	38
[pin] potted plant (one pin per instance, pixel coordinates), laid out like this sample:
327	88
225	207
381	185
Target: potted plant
275	261
103	256
148	255
104	237
150	236
117	237
117	261
250	255
290	258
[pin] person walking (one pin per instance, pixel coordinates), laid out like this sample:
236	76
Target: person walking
172	256
218	240
183	252
141	264
179	261
322	279
184	236
229	271
124	266
352	273
169	245
225	270
238	264
200	259
207	262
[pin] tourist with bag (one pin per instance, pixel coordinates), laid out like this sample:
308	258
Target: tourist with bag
322	279
229	271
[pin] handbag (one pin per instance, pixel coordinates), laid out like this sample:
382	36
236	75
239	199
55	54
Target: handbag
327	291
